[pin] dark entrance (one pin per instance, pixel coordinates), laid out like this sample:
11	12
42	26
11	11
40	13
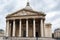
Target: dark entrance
37	34
24	34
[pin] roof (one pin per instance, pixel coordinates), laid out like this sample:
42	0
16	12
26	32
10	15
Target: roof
57	29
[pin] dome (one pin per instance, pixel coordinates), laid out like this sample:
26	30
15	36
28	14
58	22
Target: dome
57	29
28	7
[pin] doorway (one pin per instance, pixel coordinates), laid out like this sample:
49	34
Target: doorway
37	34
24	33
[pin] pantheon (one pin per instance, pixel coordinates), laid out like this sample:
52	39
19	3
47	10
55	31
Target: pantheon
27	23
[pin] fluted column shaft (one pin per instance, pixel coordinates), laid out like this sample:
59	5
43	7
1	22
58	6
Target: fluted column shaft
13	27
20	28
7	28
26	27
34	28
42	28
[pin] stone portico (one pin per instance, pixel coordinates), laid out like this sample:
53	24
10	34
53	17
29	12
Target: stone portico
25	27
25	23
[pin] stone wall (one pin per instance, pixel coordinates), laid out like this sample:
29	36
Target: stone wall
48	31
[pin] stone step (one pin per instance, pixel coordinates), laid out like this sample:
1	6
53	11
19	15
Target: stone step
25	38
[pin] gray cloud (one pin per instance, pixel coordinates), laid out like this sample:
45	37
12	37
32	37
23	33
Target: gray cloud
54	17
41	5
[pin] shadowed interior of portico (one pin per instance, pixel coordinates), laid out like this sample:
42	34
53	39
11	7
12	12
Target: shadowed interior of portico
23	28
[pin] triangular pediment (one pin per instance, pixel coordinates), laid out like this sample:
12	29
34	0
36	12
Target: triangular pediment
22	13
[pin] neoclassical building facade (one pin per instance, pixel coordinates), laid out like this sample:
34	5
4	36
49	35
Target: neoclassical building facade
57	33
27	23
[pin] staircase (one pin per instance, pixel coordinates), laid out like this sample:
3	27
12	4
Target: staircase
26	38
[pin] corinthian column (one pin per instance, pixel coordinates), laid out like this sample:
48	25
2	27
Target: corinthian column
42	28
13	27
7	28
20	28
34	27
26	27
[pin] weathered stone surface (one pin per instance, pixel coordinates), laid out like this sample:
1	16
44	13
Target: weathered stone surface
22	38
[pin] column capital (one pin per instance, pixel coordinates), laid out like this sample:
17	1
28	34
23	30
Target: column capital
7	20
20	19
34	18
14	19
42	18
26	19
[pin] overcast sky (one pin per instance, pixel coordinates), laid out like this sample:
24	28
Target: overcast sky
50	7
